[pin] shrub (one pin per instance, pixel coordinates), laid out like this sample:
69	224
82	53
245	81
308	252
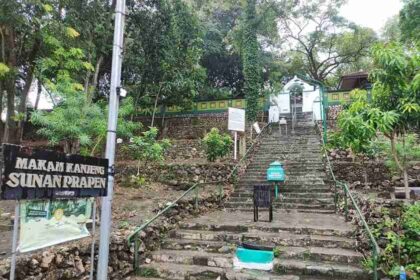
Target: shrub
402	246
147	148
216	144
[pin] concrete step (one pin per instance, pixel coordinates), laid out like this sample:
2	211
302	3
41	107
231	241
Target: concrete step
295	169
225	260
196	272
294	183
225	241
265	162
292	178
298	210
327	270
248	188
284	221
287	200
291	172
249	194
283	205
288	183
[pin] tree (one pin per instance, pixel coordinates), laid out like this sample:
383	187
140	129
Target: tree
395	107
147	148
31	31
223	63
216	144
77	122
223	24
410	21
163	54
391	31
20	36
323	39
251	61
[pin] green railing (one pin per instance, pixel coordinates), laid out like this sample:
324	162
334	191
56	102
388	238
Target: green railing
348	195
133	238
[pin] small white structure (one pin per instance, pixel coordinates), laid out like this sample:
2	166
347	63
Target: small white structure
46	100
309	102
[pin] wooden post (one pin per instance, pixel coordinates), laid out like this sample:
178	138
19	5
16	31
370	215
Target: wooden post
235	146
242	145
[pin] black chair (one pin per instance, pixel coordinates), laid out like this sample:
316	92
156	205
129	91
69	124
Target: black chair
263	197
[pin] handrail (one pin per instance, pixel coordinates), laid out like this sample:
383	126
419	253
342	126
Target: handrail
347	193
294	114
194	187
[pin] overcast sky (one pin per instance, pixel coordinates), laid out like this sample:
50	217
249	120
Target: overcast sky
371	13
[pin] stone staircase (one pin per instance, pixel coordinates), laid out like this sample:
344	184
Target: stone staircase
305	188
313	242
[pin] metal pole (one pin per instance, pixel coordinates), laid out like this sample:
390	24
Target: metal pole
324	113
106	211
14	241
235	146
92	250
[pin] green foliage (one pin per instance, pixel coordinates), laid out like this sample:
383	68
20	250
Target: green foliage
216	144
79	122
359	123
322	51
391	31
164	48
402	243
146	148
394	108
407	148
410	21
3	69
123	225
397	82
277	251
74	120
147	272
251	61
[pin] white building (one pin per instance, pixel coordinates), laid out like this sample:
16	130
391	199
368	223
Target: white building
306	101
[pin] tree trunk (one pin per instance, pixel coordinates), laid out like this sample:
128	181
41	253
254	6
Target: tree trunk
10	131
154	109
3	60
23	100
1	110
250	132
400	166
96	74
28	82
38	94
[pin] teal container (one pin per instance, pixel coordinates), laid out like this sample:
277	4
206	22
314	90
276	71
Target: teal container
254	256
275	173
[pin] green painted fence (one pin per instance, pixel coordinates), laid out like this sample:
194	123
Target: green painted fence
222	105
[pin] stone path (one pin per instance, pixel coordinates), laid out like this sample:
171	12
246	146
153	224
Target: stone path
314	242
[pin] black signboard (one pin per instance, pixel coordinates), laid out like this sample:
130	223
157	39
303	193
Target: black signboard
39	174
263	197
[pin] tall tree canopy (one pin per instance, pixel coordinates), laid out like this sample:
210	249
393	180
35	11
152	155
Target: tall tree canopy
164	47
410	21
322	39
251	61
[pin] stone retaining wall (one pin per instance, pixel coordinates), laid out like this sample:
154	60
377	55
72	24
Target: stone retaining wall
180	176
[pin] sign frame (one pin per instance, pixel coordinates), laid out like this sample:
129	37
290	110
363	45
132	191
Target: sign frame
236	120
44	174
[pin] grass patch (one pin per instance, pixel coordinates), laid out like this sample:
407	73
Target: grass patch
147	272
